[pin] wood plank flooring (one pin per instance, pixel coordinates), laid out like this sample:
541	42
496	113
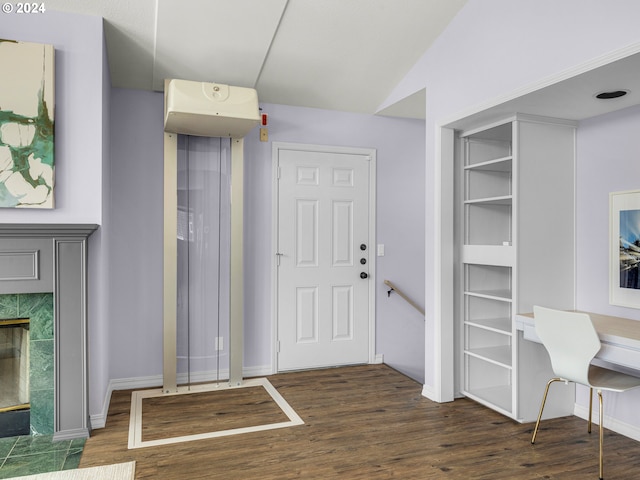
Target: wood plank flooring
208	412
371	422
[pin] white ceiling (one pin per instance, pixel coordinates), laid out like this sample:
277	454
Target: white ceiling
570	95
335	54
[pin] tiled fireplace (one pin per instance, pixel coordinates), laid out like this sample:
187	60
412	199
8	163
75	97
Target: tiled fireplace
26	364
14	364
43	279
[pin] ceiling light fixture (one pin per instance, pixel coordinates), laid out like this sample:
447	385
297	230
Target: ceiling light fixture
611	94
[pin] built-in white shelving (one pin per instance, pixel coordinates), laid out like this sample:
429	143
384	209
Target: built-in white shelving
514	180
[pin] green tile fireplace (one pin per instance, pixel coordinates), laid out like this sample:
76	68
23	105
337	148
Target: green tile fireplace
38	308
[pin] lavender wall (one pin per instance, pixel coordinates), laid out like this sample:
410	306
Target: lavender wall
136	215
135	236
607	162
81	136
492	49
78	113
400	222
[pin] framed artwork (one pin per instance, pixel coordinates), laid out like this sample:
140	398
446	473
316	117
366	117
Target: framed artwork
624	263
26	125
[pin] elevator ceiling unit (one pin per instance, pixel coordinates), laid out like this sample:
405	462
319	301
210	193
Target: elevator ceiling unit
210	109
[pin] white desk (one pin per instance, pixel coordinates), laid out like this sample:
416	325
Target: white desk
620	337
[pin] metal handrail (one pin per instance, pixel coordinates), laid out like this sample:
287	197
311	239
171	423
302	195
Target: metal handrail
402	294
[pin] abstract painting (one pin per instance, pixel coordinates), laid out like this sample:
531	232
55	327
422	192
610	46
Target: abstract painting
26	125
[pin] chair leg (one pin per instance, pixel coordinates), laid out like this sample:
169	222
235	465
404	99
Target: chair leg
544	399
601	470
590	408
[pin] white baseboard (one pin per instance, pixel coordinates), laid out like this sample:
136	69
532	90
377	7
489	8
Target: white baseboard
610	423
429	392
71	434
378	359
630	431
99	420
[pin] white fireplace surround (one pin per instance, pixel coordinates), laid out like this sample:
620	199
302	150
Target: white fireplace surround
41	258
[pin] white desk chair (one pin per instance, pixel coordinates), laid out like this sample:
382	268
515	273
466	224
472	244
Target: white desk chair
572	342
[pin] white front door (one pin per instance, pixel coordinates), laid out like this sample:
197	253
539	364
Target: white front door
323	257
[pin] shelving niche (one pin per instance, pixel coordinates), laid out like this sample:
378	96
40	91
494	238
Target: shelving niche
515	182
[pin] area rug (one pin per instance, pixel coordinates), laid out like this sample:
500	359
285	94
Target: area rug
207	411
118	471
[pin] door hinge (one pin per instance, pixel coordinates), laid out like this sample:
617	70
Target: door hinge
278	255
278	346
278	172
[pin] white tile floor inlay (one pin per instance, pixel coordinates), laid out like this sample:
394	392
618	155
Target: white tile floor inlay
135	423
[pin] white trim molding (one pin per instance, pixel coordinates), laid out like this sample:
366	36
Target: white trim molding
610	423
429	392
371	153
137	397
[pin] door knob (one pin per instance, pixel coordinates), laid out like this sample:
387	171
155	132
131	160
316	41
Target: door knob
363	275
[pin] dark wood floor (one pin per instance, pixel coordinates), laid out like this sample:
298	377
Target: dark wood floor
371	422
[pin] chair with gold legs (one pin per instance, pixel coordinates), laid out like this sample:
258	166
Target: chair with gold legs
572	343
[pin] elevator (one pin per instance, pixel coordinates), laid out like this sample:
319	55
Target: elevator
203	316
203	230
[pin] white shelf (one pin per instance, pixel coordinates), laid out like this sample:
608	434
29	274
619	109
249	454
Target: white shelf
500	356
500	255
500	295
501	200
498	131
497	398
498	325
503	164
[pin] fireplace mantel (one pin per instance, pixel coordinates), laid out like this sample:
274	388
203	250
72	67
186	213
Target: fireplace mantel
46	230
53	258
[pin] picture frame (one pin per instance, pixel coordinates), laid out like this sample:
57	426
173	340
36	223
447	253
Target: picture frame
624	248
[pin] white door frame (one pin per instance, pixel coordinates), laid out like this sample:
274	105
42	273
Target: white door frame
275	221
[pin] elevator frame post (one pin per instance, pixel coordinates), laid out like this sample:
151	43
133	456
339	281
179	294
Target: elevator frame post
170	264
236	321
